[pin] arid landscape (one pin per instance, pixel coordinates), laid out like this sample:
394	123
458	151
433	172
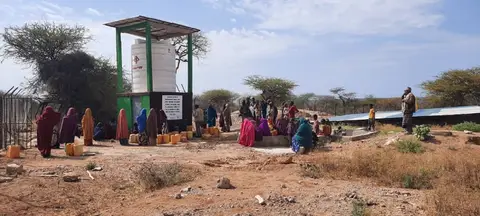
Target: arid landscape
368	177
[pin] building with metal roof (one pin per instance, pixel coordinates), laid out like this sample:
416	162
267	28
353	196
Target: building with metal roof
449	115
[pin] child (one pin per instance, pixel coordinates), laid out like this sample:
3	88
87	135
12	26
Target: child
371	118
316	124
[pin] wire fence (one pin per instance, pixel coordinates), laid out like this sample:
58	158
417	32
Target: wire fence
17	115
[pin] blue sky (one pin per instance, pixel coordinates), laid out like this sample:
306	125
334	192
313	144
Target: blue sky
370	47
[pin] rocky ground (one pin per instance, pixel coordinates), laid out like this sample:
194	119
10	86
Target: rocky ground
259	184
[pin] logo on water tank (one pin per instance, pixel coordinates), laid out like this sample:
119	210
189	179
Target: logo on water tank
136	59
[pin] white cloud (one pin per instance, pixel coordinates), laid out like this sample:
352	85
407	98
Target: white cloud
339	16
93	12
233	20
231	50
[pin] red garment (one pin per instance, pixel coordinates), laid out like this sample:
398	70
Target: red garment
45	124
122	127
247	133
292	111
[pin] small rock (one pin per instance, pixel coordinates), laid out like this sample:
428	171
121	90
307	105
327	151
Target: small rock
187	189
178	196
283	186
371	202
4	179
260	200
224	183
289	160
97	169
71	177
290	199
14	169
168	214
468	132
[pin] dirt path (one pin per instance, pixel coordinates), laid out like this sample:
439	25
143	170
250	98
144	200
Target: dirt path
115	192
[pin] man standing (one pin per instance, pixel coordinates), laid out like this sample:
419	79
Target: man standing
198	117
408	108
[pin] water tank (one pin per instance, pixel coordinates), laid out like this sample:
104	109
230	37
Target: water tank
163	66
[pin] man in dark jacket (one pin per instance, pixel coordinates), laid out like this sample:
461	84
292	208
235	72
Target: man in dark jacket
408	108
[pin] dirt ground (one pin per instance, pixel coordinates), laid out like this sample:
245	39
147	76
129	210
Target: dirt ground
115	191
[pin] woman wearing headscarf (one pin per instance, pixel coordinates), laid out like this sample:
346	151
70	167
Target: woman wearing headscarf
212	116
45	123
87	127
68	129
152	127
99	132
142	125
162	125
302	141
264	128
227	117
245	110
122	128
281	126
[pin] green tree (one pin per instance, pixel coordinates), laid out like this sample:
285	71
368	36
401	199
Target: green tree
61	69
218	97
276	89
454	88
347	98
201	46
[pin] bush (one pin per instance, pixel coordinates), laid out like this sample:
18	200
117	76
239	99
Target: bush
359	208
470	126
91	165
422	132
155	176
410	146
421	180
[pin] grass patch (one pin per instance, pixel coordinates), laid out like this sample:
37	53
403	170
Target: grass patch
420	180
359	208
453	177
409	146
155	176
469	126
387	128
90	165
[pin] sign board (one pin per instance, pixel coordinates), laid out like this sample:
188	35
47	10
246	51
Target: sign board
172	105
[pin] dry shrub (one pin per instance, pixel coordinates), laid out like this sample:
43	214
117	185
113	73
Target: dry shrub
386	128
442	171
454	200
155	176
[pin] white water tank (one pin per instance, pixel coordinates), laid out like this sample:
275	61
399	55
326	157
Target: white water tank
164	77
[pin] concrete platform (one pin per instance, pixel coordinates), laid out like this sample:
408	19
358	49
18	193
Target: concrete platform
359	136
273	141
274	150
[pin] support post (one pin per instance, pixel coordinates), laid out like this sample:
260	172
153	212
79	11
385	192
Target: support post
190	62
148	38
119	62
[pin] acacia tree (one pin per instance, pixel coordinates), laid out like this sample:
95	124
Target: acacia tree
218	97
200	43
346	98
276	89
454	88
61	69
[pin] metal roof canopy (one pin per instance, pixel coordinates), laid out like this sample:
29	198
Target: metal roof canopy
159	29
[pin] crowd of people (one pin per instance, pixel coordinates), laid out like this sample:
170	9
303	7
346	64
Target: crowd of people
259	119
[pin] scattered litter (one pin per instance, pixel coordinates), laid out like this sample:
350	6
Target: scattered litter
260	200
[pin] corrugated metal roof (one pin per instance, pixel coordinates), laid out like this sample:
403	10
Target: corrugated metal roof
159	29
447	111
